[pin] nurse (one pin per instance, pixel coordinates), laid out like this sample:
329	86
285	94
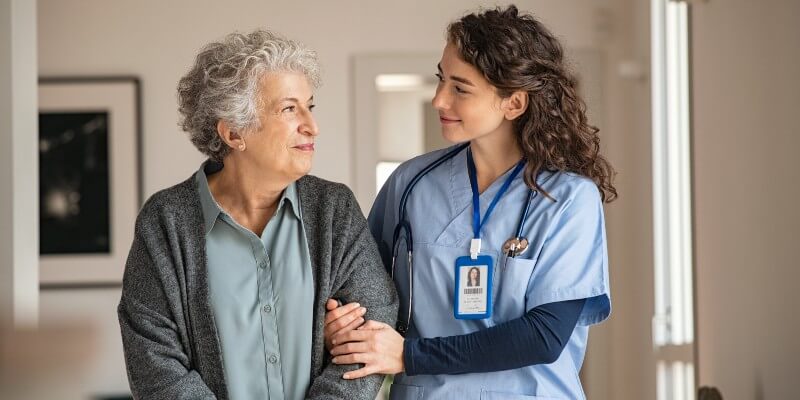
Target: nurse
519	200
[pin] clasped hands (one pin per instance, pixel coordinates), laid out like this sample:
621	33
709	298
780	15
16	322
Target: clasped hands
351	340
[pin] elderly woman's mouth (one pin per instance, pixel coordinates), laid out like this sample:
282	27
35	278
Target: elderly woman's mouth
305	147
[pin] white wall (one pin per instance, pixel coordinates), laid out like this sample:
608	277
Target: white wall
157	41
19	233
746	59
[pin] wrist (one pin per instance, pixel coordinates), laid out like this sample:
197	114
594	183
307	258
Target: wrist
408	356
403	356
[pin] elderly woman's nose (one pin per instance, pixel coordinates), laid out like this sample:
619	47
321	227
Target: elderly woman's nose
310	126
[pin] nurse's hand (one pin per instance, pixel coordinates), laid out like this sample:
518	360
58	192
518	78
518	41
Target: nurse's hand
341	319
376	345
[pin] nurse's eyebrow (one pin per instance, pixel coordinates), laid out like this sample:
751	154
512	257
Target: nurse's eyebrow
455	78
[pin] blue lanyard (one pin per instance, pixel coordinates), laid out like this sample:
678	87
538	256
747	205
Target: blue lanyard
477	223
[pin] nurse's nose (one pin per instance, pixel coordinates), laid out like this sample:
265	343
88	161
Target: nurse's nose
441	101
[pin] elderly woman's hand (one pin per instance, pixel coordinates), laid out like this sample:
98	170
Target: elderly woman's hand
341	319
375	344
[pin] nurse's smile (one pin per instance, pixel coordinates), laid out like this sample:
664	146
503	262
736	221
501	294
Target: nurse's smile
448	120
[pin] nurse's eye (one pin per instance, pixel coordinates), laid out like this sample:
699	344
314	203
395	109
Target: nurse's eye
312	107
459	90
439	77
289	109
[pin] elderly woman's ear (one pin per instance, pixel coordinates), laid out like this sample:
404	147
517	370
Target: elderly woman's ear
232	138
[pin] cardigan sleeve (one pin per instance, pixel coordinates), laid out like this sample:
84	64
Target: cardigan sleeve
157	364
358	275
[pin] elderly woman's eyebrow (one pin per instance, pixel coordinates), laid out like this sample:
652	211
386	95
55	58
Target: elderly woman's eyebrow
295	99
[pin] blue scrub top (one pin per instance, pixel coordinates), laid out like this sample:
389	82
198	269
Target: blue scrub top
565	260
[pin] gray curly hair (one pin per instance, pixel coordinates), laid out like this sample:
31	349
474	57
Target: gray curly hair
224	85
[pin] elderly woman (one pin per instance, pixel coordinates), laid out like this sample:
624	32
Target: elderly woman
225	285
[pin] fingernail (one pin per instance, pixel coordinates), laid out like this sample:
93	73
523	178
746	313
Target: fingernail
335	360
363	309
346	376
358	305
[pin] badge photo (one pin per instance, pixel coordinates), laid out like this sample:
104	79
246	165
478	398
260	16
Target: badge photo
473	287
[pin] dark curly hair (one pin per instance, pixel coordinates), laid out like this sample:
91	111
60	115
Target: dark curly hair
516	52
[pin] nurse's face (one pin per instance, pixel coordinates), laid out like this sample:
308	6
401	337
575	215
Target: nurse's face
469	106
284	144
473	274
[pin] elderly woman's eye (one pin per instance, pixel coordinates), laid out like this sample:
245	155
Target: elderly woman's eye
288	109
312	107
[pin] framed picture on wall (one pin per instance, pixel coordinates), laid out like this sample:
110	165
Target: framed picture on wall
89	178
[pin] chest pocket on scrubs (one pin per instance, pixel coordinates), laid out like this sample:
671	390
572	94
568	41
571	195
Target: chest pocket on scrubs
511	287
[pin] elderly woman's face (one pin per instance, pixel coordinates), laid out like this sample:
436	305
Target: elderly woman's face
284	144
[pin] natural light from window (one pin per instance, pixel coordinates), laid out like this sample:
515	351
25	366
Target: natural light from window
673	320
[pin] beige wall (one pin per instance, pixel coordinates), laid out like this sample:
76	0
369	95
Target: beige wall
620	362
157	40
746	60
400	126
432	129
94	311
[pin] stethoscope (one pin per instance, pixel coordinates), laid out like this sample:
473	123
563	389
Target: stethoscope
511	248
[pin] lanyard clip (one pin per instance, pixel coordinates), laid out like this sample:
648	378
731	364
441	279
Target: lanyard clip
474	248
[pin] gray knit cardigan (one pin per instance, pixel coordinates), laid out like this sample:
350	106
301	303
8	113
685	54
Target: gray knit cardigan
172	349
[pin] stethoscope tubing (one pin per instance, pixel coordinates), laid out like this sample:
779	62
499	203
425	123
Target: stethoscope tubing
404	226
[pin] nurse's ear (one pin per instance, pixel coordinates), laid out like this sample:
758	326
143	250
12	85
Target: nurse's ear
515	105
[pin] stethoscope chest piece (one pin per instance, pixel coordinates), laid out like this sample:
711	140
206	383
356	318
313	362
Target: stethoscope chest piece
515	246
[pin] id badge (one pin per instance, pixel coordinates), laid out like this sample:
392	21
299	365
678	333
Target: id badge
473	295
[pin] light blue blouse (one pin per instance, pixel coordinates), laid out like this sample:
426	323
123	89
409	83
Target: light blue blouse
262	297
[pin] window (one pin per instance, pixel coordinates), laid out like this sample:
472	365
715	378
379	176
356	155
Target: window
383	170
673	321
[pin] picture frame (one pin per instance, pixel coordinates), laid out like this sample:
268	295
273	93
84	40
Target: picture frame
90	180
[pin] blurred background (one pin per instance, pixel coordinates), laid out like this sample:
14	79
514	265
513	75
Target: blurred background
694	100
